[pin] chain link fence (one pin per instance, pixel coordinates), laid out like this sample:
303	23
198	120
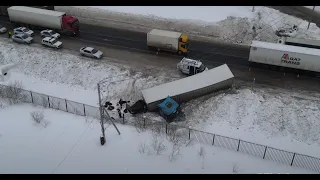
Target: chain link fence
142	124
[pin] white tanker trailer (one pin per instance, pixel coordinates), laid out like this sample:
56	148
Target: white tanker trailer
295	57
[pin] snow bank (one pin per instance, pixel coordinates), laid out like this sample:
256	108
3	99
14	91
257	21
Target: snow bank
70	144
274	117
234	25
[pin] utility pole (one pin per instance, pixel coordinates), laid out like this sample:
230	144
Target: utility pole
311	17
103	137
252	8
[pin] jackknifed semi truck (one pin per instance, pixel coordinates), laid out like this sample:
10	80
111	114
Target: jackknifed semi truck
191	87
170	41
34	18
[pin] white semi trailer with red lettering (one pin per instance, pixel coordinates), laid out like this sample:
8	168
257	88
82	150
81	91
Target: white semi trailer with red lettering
285	56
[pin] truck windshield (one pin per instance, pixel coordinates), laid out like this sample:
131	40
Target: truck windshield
94	51
52	33
24	36
75	24
202	68
53	41
26	30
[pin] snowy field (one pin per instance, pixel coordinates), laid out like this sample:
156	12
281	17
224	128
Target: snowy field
278	118
70	144
228	23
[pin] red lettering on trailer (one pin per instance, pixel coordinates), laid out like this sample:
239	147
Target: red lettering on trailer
285	56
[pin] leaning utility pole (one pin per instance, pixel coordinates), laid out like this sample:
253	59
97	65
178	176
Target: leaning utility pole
103	138
310	17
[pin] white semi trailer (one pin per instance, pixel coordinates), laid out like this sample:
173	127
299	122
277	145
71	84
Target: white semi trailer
43	18
190	87
276	54
162	40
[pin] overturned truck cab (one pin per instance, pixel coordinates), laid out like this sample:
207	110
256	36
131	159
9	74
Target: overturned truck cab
169	109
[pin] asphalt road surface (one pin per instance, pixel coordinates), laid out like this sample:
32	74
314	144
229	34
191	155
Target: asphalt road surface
117	38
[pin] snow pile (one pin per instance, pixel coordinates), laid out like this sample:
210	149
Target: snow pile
230	27
77	71
70	144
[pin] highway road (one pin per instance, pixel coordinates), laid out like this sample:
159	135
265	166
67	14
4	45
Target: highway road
136	41
132	50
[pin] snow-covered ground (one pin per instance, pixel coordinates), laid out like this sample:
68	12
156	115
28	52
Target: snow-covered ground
278	118
231	24
70	144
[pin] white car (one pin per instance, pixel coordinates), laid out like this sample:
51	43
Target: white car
3	29
51	42
49	33
23	30
91	52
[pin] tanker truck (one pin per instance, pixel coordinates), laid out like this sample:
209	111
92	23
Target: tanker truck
34	18
169	41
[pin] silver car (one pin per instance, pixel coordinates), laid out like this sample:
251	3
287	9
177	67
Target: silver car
23	30
49	33
3	29
22	38
91	52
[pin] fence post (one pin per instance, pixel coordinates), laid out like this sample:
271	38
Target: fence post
294	155
31	97
65	100
144	122
166	128
123	118
49	101
189	133
238	145
264	154
214	135
84	110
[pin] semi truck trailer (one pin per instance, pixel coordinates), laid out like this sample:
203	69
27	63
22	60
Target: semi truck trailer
286	56
309	43
170	41
44	19
191	87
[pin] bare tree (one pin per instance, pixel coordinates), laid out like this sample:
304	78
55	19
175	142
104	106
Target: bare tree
175	152
235	169
45	123
202	154
2	106
143	148
140	123
157	144
37	116
175	136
